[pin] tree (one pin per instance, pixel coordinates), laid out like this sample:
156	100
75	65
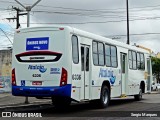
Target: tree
156	68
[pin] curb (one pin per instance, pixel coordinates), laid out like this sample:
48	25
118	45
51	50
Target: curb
25	107
156	92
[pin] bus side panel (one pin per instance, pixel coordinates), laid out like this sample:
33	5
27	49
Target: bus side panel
135	77
96	83
116	86
75	72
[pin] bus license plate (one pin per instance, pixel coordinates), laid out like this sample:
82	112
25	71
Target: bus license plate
37	83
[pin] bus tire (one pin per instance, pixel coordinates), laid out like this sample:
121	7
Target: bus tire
105	97
61	101
139	96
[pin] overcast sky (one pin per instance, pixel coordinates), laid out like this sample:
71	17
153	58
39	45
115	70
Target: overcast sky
102	17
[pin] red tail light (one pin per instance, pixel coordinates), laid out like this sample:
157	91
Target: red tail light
13	77
61	28
63	77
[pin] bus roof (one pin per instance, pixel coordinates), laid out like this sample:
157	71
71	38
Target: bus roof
85	34
108	40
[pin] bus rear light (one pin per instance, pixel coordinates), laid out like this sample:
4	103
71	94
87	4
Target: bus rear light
64	76
13	77
61	28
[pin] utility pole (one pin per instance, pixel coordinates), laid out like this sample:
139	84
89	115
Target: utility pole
17	16
128	41
28	9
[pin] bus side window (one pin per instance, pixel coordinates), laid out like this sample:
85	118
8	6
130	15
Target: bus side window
101	54
142	61
114	62
95	51
75	53
123	63
107	55
134	59
82	58
87	59
111	55
138	61
98	53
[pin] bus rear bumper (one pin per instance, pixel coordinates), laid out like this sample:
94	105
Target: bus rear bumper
42	91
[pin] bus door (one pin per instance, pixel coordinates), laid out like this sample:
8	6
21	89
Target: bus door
85	57
123	73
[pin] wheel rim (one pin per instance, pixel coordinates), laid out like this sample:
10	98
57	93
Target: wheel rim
105	97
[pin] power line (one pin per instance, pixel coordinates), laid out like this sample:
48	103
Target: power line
99	22
136	34
107	11
72	13
97	9
8	24
6	35
84	14
5	1
87	15
4	9
100	10
98	16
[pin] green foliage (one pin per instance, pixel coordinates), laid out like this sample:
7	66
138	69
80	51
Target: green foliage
156	67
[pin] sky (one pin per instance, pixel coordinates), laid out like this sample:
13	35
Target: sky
103	17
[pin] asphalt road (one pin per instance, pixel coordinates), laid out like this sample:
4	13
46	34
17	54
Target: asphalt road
123	109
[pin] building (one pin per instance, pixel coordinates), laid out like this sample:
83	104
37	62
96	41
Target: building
158	55
5	70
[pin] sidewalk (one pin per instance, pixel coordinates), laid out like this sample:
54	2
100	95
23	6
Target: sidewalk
7	100
155	92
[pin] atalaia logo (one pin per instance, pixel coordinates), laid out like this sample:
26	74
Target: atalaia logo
41	68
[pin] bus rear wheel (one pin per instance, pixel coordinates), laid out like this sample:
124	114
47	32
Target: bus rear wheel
105	97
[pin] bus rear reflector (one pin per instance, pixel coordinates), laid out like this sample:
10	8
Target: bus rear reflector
55	56
13	77
64	76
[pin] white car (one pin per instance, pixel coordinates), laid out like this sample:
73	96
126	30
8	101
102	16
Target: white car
155	86
158	86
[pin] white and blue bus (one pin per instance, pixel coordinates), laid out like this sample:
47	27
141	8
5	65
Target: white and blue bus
67	64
